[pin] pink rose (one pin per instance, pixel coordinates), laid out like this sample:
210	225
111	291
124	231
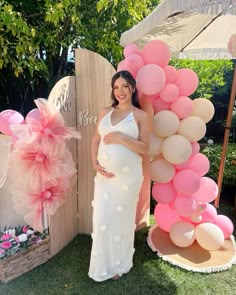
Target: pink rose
6	245
6	237
25	228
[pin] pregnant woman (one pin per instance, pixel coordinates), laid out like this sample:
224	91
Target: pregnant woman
122	135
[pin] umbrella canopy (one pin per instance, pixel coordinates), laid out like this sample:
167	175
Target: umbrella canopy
197	29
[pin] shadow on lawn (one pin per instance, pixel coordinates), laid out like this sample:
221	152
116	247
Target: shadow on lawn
66	273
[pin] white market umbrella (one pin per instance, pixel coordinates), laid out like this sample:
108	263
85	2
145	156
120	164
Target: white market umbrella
193	29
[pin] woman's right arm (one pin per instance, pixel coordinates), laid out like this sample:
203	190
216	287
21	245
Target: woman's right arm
95	145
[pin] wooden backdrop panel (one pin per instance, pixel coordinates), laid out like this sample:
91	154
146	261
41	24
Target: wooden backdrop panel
63	225
93	92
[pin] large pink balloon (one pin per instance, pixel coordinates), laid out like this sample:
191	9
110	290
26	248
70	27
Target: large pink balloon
185	205
195	148
225	224
187	81
151	79
209	214
165	216
200	164
160	105
208	190
163	193
171	74
169	92
137	63
156	52
130	49
8	118
182	106
126	65
186	182
33	114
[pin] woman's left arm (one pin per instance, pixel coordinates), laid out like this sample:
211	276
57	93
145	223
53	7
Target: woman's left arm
139	145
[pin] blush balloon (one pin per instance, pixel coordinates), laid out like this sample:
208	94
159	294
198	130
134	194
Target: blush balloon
165	123
156	52
209	214
186	182
169	92
209	236
33	114
160	105
208	190
185	205
203	108
163	193
151	79
182	106
131	49
193	128
162	171
200	164
182	234
225	224
171	74
187	81
8	118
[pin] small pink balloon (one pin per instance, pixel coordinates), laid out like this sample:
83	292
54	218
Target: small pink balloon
195	148
130	49
151	79
169	92
136	61
156	52
199	164
182	106
163	193
209	214
33	114
186	182
126	65
165	216
187	81
160	105
171	74
185	205
225	224
8	118
183	165
208	190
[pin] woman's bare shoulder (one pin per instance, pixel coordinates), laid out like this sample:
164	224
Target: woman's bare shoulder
104	111
140	114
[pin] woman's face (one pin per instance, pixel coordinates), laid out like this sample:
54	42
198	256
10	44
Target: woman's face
122	90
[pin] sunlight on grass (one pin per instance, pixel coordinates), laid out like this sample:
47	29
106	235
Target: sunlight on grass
66	274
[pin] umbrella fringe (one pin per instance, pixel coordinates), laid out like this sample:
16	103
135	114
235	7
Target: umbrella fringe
204	54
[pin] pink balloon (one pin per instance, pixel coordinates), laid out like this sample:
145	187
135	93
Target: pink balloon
183	165
163	193
8	118
209	214
195	148
33	114
151	79
156	52
199	164
171	74
160	105
187	81
165	216
169	92
137	63
126	65
185	205
186	182
225	224
208	190
130	49
182	106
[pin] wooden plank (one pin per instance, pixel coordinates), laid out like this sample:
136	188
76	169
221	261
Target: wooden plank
93	78
63	225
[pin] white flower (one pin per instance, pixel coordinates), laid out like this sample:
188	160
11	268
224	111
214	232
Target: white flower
22	237
29	232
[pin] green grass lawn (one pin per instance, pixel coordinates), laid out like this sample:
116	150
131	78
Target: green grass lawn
66	273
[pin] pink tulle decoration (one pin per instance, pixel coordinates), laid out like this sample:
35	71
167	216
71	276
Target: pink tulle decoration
50	129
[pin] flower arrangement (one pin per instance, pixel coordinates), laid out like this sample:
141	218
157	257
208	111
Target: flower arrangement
17	239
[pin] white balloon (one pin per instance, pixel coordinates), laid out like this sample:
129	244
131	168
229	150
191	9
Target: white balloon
193	128
182	233
165	123
155	145
203	108
209	236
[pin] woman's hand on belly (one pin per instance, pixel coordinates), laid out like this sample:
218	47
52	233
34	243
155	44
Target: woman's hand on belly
113	138
103	171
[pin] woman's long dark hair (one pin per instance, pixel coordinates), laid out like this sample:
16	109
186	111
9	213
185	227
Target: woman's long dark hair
131	81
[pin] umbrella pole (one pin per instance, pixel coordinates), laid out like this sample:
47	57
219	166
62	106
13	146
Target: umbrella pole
226	137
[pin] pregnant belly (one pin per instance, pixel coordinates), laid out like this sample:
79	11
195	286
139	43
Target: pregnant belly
117	158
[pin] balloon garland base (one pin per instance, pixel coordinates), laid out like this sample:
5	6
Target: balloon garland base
193	258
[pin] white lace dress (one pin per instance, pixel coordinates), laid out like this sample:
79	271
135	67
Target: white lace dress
114	203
